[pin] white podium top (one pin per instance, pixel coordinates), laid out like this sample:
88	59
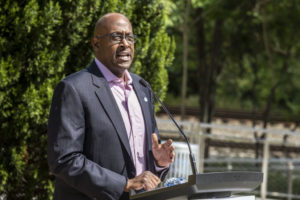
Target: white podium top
252	197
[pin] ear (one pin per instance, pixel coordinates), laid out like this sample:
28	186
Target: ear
95	43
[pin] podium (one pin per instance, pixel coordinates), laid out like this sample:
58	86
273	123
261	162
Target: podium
206	186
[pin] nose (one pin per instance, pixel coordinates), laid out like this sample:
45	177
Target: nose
124	42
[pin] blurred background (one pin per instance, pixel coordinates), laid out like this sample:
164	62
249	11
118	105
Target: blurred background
235	84
228	70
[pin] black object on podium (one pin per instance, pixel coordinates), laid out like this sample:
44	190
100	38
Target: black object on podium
206	185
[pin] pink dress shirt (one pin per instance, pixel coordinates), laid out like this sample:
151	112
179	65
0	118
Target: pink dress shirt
131	112
132	115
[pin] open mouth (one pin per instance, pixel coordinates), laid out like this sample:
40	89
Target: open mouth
124	56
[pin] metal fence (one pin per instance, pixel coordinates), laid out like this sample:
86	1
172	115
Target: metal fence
181	166
275	152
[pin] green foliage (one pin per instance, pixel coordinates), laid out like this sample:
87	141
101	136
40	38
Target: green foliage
246	78
296	183
155	49
247	75
40	43
278	181
274	178
175	21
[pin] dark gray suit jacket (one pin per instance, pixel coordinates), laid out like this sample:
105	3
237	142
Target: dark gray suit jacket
88	148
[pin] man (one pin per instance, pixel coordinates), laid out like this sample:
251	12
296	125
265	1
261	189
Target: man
100	141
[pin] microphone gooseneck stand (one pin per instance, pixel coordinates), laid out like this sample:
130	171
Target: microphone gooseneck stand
192	158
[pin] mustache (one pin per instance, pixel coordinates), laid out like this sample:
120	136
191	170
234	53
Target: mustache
124	53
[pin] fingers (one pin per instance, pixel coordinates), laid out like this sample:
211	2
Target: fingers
169	142
163	153
151	181
155	144
168	146
146	181
172	156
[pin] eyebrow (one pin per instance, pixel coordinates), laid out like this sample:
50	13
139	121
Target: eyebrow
121	32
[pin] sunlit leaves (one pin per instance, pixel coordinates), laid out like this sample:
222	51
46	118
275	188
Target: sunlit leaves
40	43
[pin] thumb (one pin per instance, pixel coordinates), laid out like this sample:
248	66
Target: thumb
154	141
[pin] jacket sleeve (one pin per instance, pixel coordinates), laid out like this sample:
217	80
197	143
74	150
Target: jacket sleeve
66	134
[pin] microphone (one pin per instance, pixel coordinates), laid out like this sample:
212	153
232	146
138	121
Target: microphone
192	159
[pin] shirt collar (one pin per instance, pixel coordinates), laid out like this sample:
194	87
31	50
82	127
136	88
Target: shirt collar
110	77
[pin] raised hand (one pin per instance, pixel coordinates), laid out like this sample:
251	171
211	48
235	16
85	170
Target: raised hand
163	153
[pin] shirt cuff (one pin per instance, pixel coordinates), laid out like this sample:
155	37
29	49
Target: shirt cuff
159	169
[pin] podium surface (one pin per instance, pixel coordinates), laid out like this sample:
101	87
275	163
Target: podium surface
249	197
206	186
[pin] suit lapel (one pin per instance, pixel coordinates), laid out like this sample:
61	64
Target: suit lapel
144	102
108	102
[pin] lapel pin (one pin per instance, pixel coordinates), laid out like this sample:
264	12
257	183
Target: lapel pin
145	99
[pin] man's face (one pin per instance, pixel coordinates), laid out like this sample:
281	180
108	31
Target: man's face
116	56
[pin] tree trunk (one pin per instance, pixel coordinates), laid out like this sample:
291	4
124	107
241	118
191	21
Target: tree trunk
214	69
208	73
268	105
185	33
254	102
202	67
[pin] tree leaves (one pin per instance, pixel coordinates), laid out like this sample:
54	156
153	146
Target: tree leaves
40	43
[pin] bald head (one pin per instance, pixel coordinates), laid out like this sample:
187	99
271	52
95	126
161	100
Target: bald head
103	24
111	44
